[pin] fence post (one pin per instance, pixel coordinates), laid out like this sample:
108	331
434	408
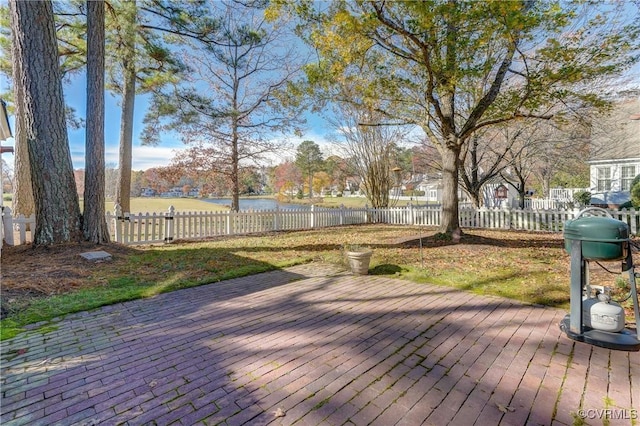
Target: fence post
23	222
341	214
119	221
230	217
312	218
169	226
7	221
507	217
276	219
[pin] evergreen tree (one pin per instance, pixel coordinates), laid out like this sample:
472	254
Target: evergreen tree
309	160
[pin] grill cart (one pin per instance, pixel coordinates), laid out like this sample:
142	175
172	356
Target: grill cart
594	318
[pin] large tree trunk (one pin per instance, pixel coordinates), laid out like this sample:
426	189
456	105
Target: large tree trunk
475	197
450	223
521	193
471	179
123	191
94	226
54	188
22	202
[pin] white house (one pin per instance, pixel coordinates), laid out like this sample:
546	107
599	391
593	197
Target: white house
178	192
174	192
431	186
496	192
499	192
432	190
615	154
148	192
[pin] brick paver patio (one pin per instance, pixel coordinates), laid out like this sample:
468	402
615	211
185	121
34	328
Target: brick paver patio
314	346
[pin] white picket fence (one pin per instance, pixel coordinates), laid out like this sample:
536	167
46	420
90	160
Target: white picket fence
147	228
15	230
544	204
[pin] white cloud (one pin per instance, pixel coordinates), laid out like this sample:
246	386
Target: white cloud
146	157
143	157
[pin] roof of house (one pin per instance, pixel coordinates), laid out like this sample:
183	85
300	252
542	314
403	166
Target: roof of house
617	136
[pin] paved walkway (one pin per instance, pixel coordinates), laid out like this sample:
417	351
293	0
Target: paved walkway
313	346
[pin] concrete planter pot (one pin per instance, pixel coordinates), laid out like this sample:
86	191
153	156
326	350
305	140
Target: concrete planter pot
359	261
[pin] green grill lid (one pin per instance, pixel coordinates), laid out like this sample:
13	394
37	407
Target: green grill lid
603	237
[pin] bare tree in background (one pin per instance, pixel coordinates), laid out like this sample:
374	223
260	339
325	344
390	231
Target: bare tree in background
7	180
370	149
546	149
482	159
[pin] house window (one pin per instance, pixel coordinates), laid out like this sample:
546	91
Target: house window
604	179
626	177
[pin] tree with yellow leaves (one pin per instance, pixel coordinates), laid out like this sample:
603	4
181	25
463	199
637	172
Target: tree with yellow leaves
454	67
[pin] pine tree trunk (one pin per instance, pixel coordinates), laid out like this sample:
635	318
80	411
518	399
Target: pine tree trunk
123	190
235	181
94	226
22	202
56	200
123	194
450	223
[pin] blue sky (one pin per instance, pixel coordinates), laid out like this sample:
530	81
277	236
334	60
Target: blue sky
144	157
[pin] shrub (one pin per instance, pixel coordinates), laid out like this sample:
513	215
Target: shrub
627	205
283	198
7	197
583	198
635	193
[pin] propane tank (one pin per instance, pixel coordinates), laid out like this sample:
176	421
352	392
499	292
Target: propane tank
600	313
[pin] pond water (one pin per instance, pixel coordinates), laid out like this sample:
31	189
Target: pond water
257	204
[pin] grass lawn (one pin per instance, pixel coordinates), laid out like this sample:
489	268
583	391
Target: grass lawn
348	202
158	205
43	283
